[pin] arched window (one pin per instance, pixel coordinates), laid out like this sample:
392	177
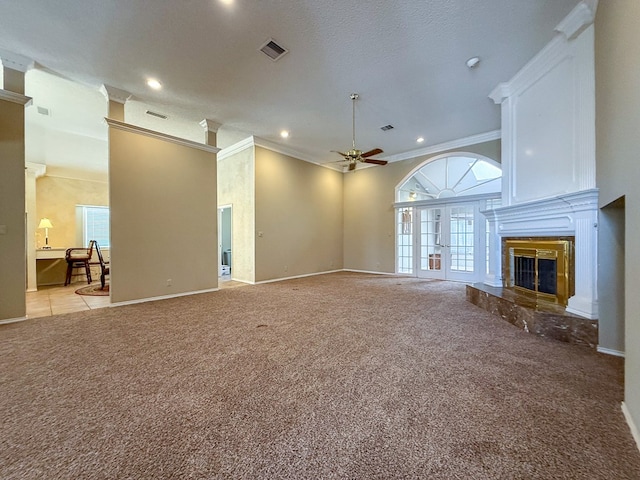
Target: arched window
451	175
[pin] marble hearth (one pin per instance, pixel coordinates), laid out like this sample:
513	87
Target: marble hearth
539	318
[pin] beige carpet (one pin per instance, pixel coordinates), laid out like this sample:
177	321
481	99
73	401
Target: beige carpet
336	376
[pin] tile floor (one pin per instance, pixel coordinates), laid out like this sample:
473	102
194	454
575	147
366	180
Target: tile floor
55	300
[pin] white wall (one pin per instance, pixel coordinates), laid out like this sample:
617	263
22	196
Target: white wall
618	152
548	117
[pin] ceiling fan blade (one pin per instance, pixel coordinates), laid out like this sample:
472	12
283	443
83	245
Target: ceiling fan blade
340	153
374	161
371	153
352	166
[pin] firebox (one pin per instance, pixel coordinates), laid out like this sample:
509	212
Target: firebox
540	267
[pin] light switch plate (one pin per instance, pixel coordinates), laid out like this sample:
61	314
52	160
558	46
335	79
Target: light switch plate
3	229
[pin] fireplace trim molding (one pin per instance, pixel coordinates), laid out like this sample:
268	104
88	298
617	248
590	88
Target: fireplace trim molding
572	214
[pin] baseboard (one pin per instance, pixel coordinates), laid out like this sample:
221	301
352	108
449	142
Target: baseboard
162	297
610	351
13	320
367	271
632	425
296	276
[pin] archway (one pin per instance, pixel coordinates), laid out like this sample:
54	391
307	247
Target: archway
440	232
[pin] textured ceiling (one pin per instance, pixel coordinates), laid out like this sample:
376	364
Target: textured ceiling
405	59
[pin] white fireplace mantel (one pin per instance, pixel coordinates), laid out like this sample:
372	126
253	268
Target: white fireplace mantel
573	214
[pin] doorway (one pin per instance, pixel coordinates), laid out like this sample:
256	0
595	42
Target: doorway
225	260
449	243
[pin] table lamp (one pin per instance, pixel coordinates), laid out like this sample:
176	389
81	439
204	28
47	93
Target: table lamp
46	224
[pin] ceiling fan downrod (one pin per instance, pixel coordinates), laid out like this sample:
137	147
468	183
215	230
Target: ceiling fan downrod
354	97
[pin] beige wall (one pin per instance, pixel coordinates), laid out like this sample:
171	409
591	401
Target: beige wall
236	187
298	217
618	151
369	217
12	211
163	217
56	199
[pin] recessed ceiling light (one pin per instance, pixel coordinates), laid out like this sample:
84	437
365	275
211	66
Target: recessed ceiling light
420	139
153	83
284	134
227	2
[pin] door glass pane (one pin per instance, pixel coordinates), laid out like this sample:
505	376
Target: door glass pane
405	240
462	238
430	250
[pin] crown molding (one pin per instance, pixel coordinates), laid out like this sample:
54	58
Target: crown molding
13	97
37	169
274	147
114	94
236	148
500	93
578	19
210	125
441	147
160	136
15	61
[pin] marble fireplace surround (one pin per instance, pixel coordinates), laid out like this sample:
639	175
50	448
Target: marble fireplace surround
568	215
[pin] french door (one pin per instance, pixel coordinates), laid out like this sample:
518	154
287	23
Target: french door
448	242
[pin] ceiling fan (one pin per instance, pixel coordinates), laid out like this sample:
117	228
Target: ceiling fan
354	155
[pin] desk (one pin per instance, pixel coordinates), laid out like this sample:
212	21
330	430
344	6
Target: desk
51	266
49	254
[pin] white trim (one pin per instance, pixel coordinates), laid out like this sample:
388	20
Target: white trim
632	425
15	97
441	147
374	273
254	141
610	351
162	297
450	200
295	276
14	320
160	136
235	148
114	94
274	147
578	19
210	126
36	169
16	62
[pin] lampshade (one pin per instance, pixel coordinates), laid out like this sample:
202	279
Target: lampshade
45	223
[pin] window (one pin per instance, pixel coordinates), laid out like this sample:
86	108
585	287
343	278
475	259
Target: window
93	224
451	175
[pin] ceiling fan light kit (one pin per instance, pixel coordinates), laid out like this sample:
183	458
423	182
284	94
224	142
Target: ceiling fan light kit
355	155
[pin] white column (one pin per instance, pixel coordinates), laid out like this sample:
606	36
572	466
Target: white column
493	277
585	301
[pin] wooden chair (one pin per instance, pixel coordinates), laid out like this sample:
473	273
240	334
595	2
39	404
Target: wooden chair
78	258
104	266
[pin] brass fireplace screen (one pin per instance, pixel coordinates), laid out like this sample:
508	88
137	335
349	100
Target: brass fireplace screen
540	267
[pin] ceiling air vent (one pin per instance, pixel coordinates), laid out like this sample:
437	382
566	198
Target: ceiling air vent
386	127
156	114
272	50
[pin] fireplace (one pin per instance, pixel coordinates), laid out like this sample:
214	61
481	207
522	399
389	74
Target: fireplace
540	267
